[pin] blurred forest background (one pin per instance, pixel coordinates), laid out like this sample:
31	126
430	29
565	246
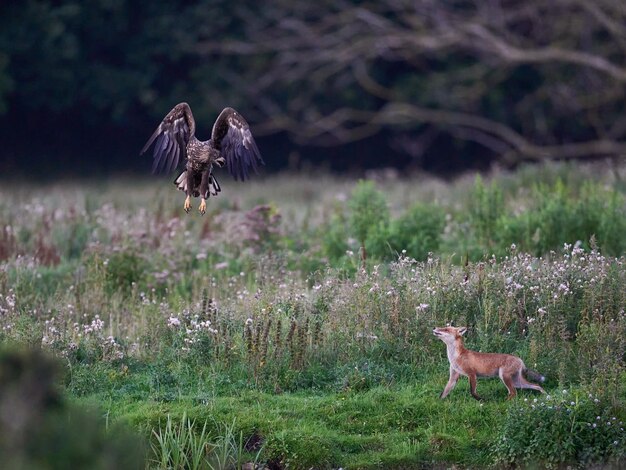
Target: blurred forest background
438	85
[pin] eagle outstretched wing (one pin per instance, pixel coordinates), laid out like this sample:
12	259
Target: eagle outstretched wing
172	136
231	135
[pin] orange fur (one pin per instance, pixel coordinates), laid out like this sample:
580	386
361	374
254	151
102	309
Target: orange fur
472	364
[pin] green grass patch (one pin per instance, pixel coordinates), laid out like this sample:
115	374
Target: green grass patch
401	426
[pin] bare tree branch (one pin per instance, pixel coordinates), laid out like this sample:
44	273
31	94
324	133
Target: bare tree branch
526	80
543	55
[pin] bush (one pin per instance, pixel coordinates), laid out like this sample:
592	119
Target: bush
369	215
333	236
123	269
560	215
486	207
570	428
418	231
39	429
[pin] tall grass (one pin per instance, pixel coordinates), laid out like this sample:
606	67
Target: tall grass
271	290
181	445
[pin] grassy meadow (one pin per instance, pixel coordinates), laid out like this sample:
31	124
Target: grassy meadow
290	327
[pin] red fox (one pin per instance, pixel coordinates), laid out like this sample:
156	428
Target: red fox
474	364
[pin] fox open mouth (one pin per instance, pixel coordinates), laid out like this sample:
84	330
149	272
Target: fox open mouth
436	333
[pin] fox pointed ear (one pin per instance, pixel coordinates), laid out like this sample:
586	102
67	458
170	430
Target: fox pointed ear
462	330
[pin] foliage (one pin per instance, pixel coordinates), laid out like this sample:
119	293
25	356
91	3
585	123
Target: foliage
369	214
564	214
567	428
553	215
350	71
223	323
418	231
180	445
40	429
486	208
333	237
123	271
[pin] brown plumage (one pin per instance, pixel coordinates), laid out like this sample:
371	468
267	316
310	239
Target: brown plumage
231	144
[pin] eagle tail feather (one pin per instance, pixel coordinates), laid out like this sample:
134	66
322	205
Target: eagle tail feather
181	181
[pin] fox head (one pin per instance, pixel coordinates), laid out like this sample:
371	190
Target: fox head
449	334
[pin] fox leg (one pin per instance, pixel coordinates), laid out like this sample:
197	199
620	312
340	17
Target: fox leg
454	378
521	382
472	381
508	382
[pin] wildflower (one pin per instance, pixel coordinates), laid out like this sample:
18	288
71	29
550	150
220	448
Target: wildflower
366	336
173	321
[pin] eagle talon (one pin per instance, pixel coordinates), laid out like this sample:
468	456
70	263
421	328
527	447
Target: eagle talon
202	207
187	205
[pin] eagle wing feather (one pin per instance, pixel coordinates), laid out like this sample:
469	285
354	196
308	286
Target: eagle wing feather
172	137
231	135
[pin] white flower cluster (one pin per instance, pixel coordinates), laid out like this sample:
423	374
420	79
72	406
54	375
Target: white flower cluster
191	327
8	303
52	335
95	326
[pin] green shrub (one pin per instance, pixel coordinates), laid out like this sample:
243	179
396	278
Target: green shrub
123	269
486	206
568	428
71	239
560	214
334	239
378	243
369	214
598	368
418	231
40	429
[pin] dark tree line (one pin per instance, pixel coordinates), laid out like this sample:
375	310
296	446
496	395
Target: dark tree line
432	79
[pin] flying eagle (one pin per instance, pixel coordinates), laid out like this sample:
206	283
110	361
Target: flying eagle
231	144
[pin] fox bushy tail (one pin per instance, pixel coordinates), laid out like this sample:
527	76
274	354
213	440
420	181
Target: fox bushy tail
534	375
